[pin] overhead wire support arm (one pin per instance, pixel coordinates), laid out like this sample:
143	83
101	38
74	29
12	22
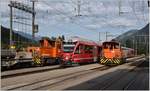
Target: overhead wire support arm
21	7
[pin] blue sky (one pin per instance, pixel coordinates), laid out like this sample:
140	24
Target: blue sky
57	17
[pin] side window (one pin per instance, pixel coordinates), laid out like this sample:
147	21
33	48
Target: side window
88	49
91	49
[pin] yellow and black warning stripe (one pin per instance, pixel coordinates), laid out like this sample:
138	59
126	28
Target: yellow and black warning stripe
110	61
37	60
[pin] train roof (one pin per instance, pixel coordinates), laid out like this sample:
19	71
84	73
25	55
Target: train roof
90	43
76	39
111	42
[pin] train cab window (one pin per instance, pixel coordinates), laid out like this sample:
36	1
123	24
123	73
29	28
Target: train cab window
111	47
106	46
116	46
77	51
68	48
52	43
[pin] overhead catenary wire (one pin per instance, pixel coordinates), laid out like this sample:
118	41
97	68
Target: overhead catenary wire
138	20
62	13
107	15
97	2
58	12
143	10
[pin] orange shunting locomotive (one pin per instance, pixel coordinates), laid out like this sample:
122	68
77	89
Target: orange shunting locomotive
47	52
113	53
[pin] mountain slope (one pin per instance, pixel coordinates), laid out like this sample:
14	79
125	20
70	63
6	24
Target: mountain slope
138	39
27	35
18	39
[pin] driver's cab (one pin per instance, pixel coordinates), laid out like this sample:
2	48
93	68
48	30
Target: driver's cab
112	49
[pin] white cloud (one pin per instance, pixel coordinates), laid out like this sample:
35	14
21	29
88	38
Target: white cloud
122	22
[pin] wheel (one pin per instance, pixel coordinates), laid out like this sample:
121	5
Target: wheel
124	60
32	64
43	62
58	61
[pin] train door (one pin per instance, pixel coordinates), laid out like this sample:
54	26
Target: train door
77	55
82	55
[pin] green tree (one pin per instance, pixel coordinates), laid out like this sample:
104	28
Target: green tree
128	43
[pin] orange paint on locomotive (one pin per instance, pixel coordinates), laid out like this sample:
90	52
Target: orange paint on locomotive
48	49
112	50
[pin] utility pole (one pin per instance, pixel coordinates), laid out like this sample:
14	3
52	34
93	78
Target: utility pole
78	7
22	7
119	7
106	35
133	43
99	36
33	18
11	24
136	43
145	42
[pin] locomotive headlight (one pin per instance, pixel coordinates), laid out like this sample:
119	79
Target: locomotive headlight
67	58
112	51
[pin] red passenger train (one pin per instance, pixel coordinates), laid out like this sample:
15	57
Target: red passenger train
79	51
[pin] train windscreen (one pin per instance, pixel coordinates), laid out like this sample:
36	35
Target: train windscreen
68	48
110	45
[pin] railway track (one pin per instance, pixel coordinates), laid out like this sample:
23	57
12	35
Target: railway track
14	73
118	77
139	73
26	71
54	81
58	80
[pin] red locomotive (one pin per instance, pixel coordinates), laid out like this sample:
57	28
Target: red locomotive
76	52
